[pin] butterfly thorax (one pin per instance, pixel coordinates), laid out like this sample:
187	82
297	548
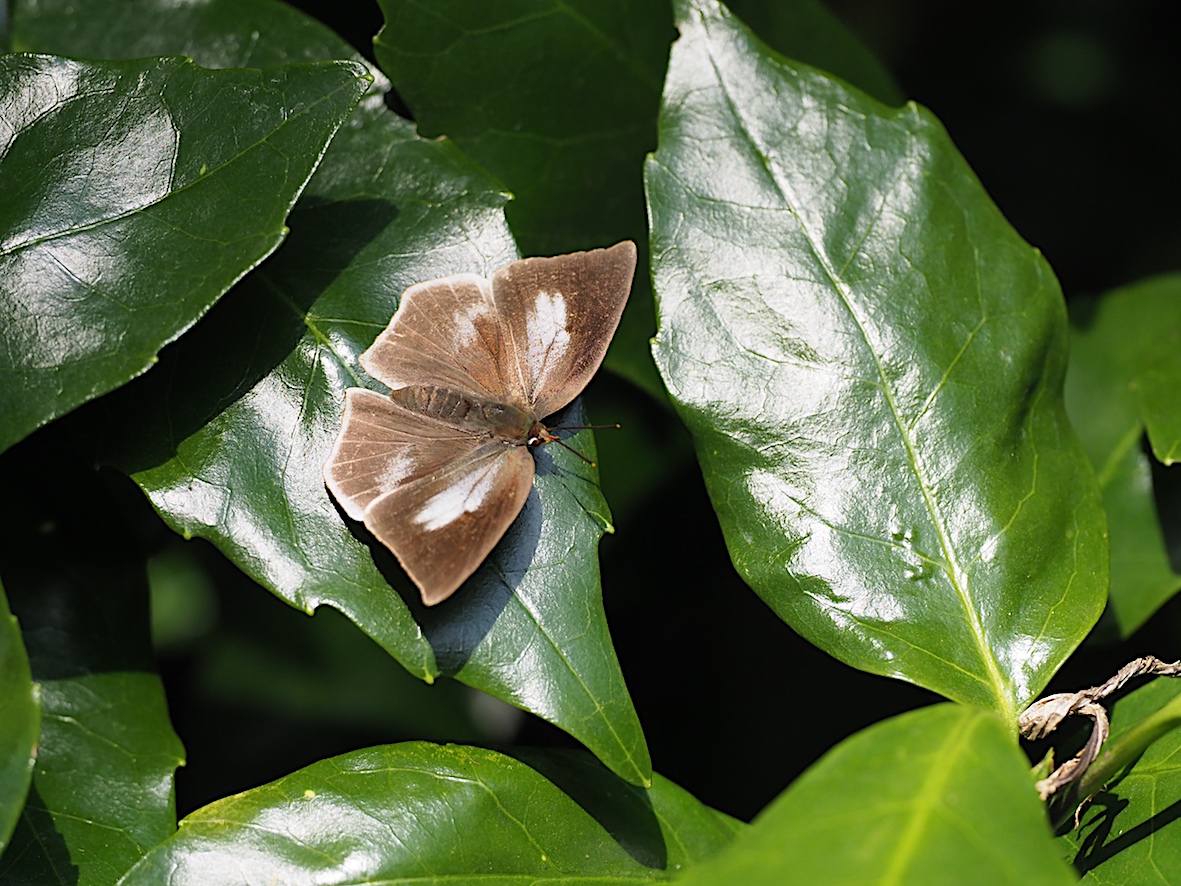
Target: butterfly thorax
502	420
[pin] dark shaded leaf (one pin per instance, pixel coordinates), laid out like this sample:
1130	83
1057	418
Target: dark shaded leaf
556	99
230	433
807	31
135	195
939	795
870	361
103	785
20	717
430	813
1125	380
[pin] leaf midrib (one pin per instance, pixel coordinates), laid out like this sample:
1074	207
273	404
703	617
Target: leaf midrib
956	574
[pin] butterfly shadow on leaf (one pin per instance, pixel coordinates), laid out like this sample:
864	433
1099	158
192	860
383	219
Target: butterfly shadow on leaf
458	625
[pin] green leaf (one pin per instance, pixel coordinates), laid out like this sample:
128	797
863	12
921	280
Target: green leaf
807	31
102	790
214	33
939	795
229	434
1129	833
20	716
422	812
556	99
1125	378
132	202
870	361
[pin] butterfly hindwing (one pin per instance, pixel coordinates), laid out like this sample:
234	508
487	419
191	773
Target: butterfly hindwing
381	445
437	497
442	526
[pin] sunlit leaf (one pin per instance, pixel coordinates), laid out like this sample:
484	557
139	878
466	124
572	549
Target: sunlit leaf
443	814
806	30
939	795
135	194
870	360
1128	832
20	716
230	433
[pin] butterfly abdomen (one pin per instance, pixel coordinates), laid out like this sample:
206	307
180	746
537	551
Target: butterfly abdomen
463	411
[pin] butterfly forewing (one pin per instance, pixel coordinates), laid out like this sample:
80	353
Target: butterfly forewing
437	496
447	333
560	314
381	445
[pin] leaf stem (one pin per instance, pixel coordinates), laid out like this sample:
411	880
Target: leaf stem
1124	750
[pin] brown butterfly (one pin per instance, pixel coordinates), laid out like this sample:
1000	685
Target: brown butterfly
439	468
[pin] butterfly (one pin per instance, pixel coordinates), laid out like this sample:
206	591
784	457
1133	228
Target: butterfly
440	467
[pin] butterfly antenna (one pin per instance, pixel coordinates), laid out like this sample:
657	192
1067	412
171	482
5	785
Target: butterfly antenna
615	427
581	428
575	451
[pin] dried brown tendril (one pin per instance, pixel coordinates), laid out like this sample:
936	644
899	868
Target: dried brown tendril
1044	716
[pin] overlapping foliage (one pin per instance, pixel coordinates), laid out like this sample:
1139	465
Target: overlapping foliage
869	358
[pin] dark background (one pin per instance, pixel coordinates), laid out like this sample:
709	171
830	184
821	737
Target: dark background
1067	111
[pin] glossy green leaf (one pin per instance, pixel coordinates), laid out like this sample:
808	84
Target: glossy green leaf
102	790
214	33
1129	832
939	795
807	31
870	361
229	435
1124	379
418	812
20	716
130	207
556	99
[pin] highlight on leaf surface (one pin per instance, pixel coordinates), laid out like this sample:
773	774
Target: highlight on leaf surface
870	360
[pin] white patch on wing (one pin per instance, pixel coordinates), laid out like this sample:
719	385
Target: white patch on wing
548	337
398	468
456	500
466	333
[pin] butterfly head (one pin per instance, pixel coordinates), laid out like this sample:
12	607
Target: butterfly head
539	435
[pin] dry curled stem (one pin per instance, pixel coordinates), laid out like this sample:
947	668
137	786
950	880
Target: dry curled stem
1044	715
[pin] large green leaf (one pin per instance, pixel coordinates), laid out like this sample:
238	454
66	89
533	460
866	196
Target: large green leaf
1125	379
103	786
441	814
229	434
558	100
133	198
870	361
1128	833
20	716
939	795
